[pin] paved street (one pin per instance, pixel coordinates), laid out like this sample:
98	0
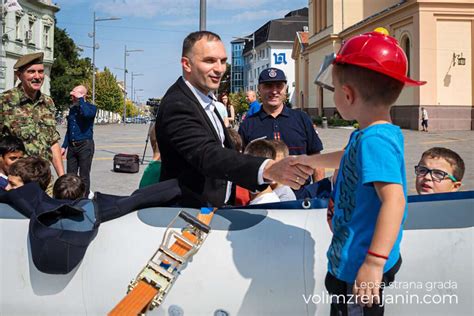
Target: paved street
113	139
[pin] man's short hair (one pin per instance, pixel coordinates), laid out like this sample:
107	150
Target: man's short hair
450	156
32	169
69	187
9	144
372	86
261	148
280	147
192	38
235	138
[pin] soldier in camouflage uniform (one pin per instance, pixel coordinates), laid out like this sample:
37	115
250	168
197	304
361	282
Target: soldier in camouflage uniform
27	113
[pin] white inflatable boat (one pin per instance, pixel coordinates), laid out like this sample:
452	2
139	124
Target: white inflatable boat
254	262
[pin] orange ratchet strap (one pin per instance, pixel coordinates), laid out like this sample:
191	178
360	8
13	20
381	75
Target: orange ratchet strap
154	281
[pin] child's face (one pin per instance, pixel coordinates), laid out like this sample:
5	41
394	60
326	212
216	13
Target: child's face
8	159
14	182
426	185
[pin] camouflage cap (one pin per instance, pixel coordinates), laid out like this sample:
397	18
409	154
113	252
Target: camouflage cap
28	59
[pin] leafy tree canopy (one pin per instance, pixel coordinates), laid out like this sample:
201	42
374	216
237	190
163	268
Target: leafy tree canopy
108	95
68	69
224	85
239	102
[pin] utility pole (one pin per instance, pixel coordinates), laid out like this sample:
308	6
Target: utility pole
202	15
133	91
125	52
94	47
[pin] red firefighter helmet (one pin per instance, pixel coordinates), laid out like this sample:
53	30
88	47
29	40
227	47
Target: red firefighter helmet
378	52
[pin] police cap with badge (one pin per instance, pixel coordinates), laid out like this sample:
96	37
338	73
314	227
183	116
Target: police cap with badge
28	59
271	75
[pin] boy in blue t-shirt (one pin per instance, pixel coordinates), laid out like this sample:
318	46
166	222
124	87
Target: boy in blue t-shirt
368	74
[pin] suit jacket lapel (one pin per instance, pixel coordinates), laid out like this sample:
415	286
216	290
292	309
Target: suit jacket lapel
190	95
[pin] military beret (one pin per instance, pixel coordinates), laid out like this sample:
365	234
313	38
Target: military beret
29	59
271	75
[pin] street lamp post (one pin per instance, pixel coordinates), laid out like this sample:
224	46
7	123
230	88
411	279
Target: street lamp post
94	47
202	15
125	79
135	94
133	76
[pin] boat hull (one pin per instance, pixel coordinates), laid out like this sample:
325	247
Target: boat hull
254	262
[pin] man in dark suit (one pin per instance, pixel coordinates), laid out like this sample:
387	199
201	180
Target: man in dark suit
195	146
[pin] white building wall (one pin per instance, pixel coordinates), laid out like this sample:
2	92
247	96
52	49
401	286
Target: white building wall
281	59
270	54
37	17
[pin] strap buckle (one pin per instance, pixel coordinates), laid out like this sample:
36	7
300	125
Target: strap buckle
177	247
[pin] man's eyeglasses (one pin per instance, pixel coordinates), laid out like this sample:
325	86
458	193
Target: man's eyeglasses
436	174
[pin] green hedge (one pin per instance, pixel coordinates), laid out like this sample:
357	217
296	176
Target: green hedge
333	121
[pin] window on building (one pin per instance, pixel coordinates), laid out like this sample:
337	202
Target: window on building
46	37
29	35
18	28
406	47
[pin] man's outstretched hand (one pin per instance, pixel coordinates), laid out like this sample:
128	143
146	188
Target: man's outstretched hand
288	172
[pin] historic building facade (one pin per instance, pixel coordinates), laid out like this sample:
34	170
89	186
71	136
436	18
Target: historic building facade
271	46
437	37
25	31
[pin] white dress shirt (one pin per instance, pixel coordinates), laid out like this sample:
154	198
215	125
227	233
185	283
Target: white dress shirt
208	104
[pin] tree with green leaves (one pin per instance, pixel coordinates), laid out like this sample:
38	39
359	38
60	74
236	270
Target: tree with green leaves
132	110
239	102
108	95
68	69
224	85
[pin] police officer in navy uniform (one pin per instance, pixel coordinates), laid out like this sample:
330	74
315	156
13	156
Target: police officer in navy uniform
277	121
79	142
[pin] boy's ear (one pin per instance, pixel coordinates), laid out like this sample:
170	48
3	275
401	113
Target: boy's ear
456	186
349	94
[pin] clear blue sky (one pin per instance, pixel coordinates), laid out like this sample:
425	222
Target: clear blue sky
159	27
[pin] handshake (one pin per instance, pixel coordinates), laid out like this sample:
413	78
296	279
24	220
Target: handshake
294	170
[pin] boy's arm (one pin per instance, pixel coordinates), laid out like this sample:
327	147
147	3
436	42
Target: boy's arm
367	284
57	159
330	160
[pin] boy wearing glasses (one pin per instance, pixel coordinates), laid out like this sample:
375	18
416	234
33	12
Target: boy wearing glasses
439	170
368	74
